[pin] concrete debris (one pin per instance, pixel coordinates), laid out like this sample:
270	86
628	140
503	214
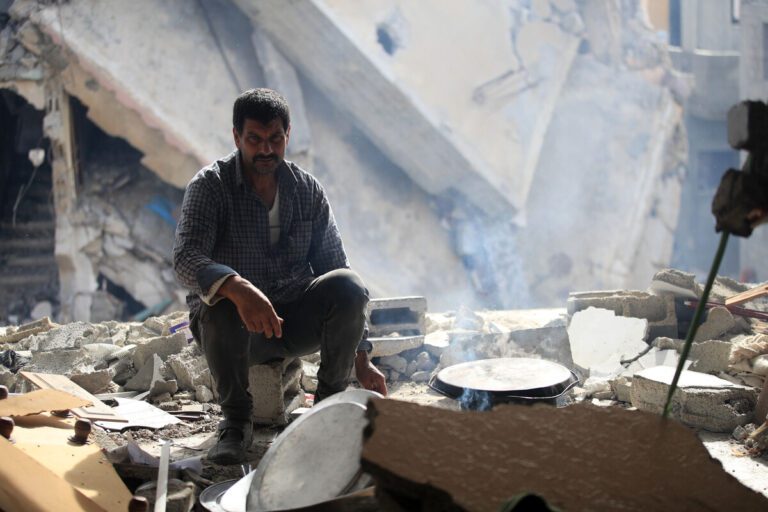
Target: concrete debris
94	382
309	376
676	283
190	368
622	389
393	345
163	346
276	390
748	348
421	376
12	334
41	310
719	322
701	400
435	342
397	363
147	375
203	394
600	340
710	356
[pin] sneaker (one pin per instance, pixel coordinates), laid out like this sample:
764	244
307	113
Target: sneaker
235	438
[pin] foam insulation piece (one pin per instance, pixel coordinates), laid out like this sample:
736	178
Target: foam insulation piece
436	459
41	400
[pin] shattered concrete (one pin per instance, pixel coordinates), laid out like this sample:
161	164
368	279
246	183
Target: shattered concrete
701	400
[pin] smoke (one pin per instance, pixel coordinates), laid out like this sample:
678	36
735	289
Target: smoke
475	400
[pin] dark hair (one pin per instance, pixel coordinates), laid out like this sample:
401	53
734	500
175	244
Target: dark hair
262	105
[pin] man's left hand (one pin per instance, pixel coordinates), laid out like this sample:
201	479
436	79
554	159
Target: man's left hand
368	375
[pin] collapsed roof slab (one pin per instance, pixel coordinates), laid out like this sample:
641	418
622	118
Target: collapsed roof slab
142	69
434	153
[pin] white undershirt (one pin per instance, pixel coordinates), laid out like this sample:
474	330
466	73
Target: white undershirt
274	220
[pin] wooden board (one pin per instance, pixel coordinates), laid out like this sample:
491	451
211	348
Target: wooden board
98	411
751	294
40	400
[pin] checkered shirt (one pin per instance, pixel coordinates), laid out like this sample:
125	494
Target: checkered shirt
224	230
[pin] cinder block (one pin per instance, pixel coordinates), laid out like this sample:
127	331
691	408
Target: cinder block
275	388
700	401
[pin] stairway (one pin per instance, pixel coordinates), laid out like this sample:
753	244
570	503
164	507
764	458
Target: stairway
28	270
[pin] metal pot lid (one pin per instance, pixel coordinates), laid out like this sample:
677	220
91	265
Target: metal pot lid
317	460
506	375
211	497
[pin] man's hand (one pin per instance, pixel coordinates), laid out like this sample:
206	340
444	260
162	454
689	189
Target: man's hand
368	375
254	307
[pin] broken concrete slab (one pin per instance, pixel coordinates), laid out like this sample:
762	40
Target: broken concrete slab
600	340
94	382
397	363
393	345
485	466
701	400
719	322
66	336
190	368
147	375
674	282
163	387
203	394
13	334
163	346
435	342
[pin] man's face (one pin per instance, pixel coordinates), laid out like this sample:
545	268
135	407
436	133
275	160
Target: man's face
262	146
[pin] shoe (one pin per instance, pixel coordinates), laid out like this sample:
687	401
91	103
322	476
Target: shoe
235	438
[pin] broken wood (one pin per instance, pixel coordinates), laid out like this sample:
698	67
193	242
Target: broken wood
751	294
97	411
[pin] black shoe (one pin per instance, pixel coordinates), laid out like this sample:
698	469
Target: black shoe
235	438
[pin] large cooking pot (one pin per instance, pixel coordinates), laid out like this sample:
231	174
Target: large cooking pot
480	385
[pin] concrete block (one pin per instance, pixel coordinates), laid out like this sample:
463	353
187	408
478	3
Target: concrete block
636	304
600	340
402	315
700	401
147	375
309	376
393	345
160	387
622	389
274	388
93	382
203	394
397	363
676	283
719	322
190	370
436	342
424	362
710	356
162	346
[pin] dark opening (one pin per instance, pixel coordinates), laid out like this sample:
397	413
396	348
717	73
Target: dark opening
131	305
675	31
386	40
394	316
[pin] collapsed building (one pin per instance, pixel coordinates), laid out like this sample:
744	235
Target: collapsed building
482	169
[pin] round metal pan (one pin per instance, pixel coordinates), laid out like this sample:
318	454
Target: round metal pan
505	380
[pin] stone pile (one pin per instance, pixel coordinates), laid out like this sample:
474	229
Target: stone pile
631	358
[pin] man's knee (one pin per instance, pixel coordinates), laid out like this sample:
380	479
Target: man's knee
345	288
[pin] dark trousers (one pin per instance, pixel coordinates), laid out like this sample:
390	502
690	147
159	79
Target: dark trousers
328	316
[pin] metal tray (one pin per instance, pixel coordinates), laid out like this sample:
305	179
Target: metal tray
504	380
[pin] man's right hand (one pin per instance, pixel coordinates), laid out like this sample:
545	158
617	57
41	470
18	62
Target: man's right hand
254	307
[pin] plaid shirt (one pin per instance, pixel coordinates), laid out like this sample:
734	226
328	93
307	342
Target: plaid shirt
224	230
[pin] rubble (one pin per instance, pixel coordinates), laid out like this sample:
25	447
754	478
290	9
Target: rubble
600	340
701	400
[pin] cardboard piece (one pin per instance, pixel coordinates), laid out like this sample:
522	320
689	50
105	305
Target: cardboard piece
25	484
41	400
98	411
45	439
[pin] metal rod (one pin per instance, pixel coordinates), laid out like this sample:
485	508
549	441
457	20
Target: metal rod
696	318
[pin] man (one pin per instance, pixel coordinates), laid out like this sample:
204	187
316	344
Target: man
258	247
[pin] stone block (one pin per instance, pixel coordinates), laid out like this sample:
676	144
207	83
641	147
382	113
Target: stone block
421	376
93	382
600	340
274	387
393	345
147	375
160	387
203	394
719	322
436	342
677	283
7	378
190	370
412	368
622	389
397	363
424	362
710	356
700	401
162	346
309	376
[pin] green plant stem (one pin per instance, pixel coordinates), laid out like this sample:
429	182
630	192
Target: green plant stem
696	319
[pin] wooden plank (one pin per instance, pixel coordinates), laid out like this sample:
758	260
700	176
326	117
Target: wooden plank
41	400
751	294
98	411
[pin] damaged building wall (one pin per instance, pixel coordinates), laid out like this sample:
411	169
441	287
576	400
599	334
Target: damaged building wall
550	65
